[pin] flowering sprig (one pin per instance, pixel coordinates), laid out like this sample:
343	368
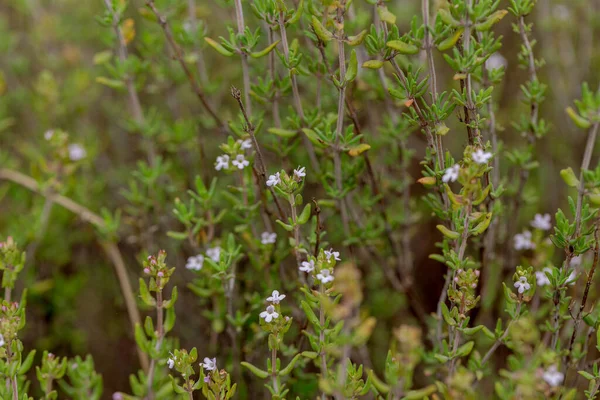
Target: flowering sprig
53	368
149	339
235	155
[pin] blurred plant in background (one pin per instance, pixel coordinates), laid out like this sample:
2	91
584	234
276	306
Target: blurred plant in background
374	199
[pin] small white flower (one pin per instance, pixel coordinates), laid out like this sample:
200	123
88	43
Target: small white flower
542	277
495	61
553	376
171	363
451	174
245	144
307	266
299	172
273	179
214	253
49	134
195	263
76	152
117	396
209	364
222	162
330	253
268	237
240	161
481	157
1	340
275	297
325	276
576	261
572	278
542	222
523	241
269	314
522	285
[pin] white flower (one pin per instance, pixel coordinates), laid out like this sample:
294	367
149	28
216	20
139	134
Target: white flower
451	174
273	179
541	222
325	276
330	253
496	61
117	396
275	297
523	241
245	144
209	364
240	161
481	157
542	277
195	263
299	172
76	152
1	340
576	261
522	285
307	266
49	134
268	237
171	363
269	314
553	376
214	253
572	278
222	162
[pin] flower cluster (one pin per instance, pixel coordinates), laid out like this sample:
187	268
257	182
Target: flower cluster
322	266
195	263
271	312
235	157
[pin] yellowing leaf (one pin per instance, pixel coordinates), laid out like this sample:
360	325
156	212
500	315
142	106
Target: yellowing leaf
357	150
128	30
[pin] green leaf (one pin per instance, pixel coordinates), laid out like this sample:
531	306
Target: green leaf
577	119
420	393
402	47
255	370
386	15
373	64
289	367
25	365
447	232
491	21
112	83
286	133
304	215
218	47
352	67
450	41
465	349
285	226
357	39
264	52
569	177
320	30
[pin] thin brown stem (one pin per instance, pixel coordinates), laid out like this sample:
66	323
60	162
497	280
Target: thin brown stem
179	55
110	248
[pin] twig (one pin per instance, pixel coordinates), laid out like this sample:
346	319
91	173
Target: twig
586	292
162	20
296	94
239	18
249	128
500	340
110	248
134	99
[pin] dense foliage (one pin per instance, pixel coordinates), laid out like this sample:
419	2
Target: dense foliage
300	199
